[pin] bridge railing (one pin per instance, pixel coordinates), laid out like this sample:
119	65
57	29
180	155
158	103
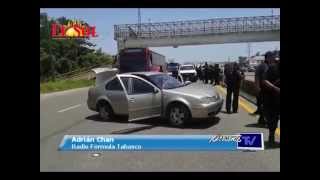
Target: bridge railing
196	27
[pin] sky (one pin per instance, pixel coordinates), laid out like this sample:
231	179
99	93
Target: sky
105	19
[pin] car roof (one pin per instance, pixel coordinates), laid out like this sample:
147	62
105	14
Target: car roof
147	73
187	65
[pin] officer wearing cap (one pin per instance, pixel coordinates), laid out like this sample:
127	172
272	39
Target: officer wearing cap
260	70
271	97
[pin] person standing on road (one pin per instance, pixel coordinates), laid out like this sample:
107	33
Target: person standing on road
271	98
216	74
260	70
206	69
199	73
233	82
210	74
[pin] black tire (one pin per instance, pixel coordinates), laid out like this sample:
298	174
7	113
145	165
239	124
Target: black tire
178	115
105	111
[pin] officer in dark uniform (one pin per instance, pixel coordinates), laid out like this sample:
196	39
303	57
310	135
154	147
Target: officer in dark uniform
206	71
216	74
260	70
210	74
233	82
200	72
271	98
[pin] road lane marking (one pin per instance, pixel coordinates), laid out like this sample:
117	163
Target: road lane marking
278	132
243	103
71	107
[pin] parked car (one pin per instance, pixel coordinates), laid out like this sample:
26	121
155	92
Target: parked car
174	68
188	72
142	95
251	69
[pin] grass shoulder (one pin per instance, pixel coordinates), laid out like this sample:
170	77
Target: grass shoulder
61	85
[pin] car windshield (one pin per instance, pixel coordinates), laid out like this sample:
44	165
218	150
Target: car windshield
164	81
186	68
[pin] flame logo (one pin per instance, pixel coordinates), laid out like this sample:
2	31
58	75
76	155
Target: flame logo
74	29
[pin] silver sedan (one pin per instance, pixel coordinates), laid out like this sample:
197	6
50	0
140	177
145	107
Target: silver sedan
142	95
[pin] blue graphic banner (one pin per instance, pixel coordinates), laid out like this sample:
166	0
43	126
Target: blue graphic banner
247	141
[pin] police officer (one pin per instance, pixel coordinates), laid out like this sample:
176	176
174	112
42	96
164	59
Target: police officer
233	81
206	71
271	98
210	74
199	73
216	74
260	70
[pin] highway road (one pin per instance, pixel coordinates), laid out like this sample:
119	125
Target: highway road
66	112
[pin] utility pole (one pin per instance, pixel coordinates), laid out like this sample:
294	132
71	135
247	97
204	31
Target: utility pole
249	49
149	27
139	22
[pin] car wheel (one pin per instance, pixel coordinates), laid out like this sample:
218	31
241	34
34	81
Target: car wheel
105	111
178	115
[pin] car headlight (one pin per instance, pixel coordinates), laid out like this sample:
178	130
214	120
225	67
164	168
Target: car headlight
208	100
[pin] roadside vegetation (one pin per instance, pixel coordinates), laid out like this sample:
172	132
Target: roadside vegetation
62	85
62	56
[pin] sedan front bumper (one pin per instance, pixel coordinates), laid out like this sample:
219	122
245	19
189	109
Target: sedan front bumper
206	110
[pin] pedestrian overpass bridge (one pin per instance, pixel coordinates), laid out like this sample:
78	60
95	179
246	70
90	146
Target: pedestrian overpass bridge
197	32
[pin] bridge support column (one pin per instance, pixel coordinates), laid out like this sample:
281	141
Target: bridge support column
121	45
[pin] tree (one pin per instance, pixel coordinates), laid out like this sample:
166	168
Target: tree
58	56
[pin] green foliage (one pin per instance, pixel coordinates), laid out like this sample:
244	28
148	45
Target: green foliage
59	56
53	86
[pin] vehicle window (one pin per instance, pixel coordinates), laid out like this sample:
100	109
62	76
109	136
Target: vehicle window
114	85
133	62
186	68
125	81
164	81
141	87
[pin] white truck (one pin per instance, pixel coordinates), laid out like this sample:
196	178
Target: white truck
188	72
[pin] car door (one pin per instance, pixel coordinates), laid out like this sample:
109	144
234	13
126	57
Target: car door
117	96
144	99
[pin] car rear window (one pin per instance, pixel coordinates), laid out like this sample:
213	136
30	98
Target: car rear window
114	85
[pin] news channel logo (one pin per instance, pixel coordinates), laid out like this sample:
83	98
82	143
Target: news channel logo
251	141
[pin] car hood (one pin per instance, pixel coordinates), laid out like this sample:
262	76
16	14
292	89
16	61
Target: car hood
194	89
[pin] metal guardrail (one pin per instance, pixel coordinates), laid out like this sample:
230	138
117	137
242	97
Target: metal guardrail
78	73
196	27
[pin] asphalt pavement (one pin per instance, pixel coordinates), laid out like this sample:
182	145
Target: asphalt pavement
66	112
